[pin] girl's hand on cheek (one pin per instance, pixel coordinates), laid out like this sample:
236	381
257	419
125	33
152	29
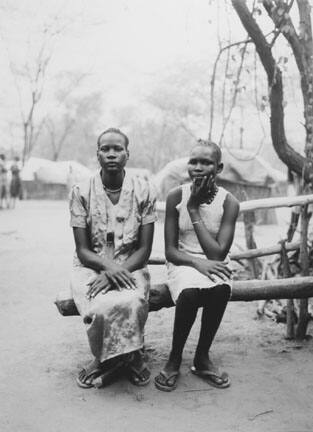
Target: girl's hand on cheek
195	195
210	182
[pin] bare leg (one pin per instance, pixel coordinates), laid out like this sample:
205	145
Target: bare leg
185	314
214	302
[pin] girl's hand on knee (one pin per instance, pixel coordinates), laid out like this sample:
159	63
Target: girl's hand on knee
210	268
121	278
100	284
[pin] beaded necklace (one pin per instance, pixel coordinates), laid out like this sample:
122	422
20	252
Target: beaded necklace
212	195
112	191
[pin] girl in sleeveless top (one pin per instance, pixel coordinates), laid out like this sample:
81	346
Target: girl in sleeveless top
199	229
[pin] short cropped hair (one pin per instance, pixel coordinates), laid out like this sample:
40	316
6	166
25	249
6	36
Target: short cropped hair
113	130
216	148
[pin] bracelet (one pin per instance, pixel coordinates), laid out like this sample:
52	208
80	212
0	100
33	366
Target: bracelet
197	221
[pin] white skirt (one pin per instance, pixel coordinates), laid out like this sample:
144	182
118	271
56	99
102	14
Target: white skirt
182	277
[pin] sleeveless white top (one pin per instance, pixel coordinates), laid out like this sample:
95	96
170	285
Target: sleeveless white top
182	277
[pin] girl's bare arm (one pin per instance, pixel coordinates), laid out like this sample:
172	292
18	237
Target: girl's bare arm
85	253
217	249
141	255
177	257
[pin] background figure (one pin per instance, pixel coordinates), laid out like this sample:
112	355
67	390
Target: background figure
3	182
15	184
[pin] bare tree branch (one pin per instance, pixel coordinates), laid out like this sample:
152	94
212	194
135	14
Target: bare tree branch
212	84
234	98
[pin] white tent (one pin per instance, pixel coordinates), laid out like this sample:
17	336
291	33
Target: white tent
60	172
28	172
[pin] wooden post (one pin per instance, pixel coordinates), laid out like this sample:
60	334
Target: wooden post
290	334
304	260
293	188
249	220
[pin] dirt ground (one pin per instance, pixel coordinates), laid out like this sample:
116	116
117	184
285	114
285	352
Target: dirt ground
41	352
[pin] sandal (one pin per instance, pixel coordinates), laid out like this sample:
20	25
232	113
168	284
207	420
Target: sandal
139	377
85	380
109	375
166	382
214	379
137	370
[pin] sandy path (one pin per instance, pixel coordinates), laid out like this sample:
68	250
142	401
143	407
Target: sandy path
272	384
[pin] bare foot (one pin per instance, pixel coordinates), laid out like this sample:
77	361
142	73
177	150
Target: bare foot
167	378
205	369
95	364
88	374
203	362
172	364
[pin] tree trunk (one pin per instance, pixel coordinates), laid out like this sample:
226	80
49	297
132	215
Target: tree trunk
285	152
306	44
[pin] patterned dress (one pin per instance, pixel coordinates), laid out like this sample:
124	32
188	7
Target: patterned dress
114	321
182	277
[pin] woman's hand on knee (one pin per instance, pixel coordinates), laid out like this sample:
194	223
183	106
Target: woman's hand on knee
120	277
211	267
100	284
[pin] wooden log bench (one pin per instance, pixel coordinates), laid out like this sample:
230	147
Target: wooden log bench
249	290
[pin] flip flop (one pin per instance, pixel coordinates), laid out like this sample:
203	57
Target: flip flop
137	376
165	382
109	375
85	380
216	380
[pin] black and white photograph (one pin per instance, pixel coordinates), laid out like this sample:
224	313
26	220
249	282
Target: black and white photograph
156	215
